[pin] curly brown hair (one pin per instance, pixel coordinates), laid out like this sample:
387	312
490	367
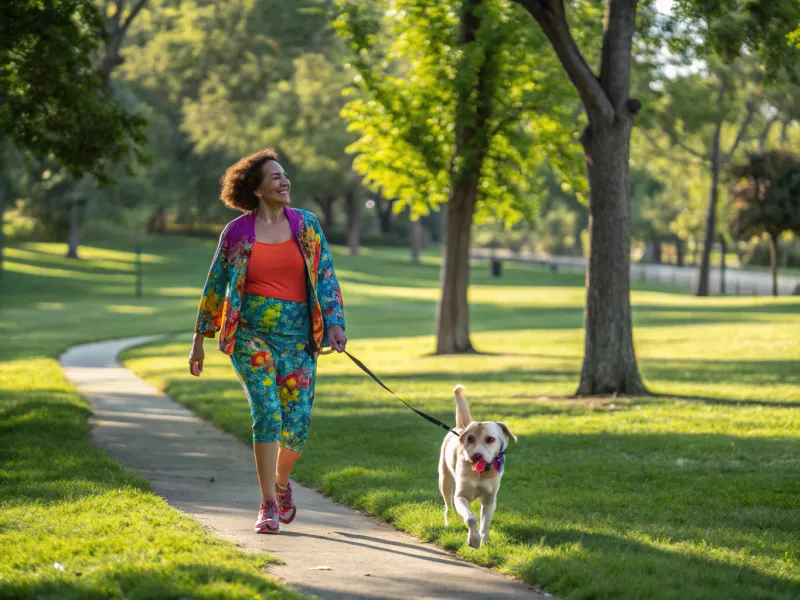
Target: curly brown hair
241	180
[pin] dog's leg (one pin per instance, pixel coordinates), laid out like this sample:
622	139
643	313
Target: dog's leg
462	508
488	504
447	485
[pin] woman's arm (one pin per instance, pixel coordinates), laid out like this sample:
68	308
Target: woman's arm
209	315
329	293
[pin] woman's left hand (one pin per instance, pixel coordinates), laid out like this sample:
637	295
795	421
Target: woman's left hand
337	338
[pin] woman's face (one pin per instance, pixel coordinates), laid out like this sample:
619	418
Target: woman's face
275	186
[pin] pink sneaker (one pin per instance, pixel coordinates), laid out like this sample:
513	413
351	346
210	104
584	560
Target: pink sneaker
286	507
267	523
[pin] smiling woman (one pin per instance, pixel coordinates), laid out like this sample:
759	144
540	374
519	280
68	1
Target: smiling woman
273	295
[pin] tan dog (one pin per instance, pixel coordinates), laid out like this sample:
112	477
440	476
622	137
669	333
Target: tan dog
471	466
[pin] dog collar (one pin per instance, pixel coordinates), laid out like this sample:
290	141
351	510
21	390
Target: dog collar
497	462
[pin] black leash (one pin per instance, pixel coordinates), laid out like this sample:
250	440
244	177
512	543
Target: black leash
425	416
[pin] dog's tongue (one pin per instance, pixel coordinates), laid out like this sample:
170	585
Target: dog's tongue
479	466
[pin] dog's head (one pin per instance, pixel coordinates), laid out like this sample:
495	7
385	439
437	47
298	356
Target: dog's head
481	441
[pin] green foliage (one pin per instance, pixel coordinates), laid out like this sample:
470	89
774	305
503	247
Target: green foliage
417	87
52	103
230	78
731	28
767	194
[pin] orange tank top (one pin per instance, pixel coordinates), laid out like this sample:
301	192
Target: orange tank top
277	271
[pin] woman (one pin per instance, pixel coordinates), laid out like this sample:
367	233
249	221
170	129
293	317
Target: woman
273	296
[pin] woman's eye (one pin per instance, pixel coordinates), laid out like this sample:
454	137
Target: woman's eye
489	440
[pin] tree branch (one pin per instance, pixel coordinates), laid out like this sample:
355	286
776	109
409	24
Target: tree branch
673	137
762	138
615	64
134	11
751	109
672	157
551	17
119	7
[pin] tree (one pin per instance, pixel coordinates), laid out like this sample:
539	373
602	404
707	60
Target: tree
609	363
766	189
117	18
450	111
252	74
696	112
53	104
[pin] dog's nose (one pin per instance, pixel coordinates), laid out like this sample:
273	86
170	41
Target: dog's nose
476	457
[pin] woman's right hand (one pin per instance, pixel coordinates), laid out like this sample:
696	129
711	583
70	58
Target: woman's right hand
196	357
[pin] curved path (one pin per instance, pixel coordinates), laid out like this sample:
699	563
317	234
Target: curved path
329	551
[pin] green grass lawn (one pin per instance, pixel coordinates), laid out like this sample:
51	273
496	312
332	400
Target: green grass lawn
692	494
61	500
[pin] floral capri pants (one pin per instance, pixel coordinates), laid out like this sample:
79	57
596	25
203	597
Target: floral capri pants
272	359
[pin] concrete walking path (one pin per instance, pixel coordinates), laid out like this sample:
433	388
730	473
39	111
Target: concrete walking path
329	551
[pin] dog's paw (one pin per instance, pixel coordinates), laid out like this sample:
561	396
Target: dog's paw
474	540
473	537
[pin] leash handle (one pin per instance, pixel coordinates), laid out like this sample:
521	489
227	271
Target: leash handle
377	380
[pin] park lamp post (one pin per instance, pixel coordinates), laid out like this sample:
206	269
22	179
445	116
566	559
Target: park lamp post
138	250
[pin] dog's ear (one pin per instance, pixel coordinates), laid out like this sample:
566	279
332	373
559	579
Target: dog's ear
506	430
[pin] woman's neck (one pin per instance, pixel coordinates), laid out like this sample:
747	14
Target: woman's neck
270	213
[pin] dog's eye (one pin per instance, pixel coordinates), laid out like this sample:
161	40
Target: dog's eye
470	439
489	440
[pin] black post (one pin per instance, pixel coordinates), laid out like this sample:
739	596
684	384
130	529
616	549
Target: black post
497	267
139	250
723	250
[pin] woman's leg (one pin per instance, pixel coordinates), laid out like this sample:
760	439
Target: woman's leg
266	454
287	459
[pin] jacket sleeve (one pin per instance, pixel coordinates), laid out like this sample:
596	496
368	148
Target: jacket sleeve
212	302
329	293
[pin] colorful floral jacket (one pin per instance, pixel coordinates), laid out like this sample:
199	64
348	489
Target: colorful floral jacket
222	294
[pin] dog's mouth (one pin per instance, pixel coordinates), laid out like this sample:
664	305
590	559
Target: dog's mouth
479	466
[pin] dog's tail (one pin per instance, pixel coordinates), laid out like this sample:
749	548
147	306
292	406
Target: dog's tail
463	417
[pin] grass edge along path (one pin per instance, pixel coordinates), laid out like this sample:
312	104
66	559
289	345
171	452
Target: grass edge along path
74	524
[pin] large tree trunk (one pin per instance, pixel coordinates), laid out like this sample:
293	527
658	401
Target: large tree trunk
609	360
452	313
472	141
415	240
724	248
711	217
353	222
74	239
773	261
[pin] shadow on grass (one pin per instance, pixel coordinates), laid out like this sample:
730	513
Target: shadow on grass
649	572
131	581
707	490
729	401
44	438
749	372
